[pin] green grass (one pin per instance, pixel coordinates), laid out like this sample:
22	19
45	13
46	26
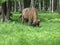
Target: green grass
48	33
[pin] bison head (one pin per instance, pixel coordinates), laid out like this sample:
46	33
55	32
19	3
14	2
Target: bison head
36	23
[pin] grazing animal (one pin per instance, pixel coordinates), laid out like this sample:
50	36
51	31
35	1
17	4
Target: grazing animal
31	15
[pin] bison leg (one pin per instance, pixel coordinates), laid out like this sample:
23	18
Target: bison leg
38	25
30	21
22	19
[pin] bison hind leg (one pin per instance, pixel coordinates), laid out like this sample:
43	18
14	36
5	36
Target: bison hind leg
26	20
38	24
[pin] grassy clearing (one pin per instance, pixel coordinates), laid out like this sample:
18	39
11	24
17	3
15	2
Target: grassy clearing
14	33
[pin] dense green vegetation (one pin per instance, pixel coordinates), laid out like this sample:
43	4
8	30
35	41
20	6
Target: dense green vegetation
13	32
48	33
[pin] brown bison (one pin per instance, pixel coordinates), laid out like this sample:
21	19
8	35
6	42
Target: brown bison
31	15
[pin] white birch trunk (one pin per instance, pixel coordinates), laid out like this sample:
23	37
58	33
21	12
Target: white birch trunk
43	6
32	4
52	5
39	5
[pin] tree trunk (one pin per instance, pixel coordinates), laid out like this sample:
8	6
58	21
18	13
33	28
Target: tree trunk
15	6
59	7
43	6
57	4
32	4
22	4
39	5
19	6
6	8
12	6
52	5
4	11
49	8
7	15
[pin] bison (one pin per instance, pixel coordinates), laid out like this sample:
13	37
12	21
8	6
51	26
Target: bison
31	15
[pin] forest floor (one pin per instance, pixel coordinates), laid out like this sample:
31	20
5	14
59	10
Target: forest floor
16	33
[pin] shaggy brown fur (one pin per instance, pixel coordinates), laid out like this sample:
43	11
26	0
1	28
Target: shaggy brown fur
31	15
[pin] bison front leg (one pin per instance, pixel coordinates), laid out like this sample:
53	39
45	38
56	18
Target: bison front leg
22	19
30	21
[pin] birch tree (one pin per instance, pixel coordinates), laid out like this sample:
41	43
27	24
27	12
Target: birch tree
32	3
39	5
19	2
52	5
22	2
43	6
59	7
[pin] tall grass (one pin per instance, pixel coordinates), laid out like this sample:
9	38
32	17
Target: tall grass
48	33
